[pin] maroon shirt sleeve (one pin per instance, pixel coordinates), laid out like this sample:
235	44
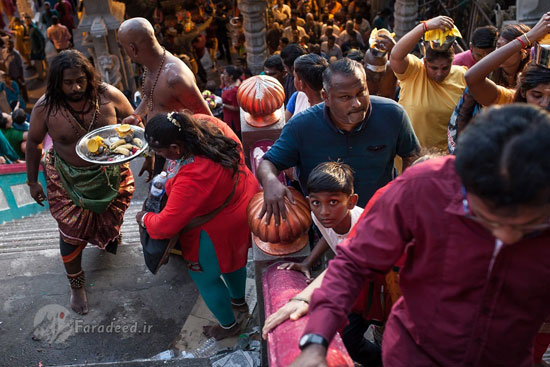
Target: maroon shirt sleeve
379	241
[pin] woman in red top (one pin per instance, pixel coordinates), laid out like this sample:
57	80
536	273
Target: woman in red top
231	80
209	166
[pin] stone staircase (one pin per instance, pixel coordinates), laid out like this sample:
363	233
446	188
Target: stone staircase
39	232
120	290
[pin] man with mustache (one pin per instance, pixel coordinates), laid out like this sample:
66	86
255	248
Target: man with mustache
88	201
362	131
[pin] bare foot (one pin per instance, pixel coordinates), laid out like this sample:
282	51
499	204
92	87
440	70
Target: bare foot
79	301
219	333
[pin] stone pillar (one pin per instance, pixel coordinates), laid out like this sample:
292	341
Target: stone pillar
254	30
405	14
100	21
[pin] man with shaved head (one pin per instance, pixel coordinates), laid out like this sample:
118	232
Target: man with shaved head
168	84
380	77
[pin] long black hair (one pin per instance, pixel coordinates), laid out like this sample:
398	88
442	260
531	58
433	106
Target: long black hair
68	59
198	137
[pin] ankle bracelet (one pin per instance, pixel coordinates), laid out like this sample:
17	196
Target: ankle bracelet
228	327
77	280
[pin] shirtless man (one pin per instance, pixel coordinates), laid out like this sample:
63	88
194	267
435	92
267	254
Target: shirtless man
168	84
88	201
380	77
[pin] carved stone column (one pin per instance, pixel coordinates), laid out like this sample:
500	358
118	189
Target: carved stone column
254	30
405	14
100	21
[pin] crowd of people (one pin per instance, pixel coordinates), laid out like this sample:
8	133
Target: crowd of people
23	58
425	167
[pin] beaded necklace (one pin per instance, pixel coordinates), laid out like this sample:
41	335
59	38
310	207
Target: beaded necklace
80	124
145	73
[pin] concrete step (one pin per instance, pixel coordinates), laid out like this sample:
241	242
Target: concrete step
39	232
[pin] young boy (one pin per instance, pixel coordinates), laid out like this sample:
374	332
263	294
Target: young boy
333	209
332	202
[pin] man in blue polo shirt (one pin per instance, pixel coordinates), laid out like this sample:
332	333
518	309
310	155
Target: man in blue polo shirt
366	133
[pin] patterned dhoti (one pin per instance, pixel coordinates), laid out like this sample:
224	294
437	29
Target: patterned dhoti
79	226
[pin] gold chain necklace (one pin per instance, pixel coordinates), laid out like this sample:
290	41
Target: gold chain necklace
145	73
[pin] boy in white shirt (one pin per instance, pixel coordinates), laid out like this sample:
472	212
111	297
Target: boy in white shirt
333	209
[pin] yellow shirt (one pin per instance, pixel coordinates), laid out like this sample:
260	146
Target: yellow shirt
504	95
428	103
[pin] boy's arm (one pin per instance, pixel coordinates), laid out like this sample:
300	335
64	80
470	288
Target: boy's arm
305	266
321	247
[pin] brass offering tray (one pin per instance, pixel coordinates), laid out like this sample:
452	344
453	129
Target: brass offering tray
107	146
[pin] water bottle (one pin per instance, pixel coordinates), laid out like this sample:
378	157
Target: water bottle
207	349
164	356
157	190
243	342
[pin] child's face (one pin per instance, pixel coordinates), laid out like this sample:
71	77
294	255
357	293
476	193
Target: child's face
331	208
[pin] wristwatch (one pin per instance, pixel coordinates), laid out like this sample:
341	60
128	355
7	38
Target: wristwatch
313	339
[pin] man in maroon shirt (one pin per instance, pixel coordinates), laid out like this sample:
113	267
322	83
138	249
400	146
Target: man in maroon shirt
476	233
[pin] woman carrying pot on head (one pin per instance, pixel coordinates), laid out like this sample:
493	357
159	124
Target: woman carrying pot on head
209	169
533	82
430	88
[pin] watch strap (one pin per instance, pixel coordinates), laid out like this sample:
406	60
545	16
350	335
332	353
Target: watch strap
308	339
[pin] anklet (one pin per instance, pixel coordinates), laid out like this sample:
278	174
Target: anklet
77	280
228	327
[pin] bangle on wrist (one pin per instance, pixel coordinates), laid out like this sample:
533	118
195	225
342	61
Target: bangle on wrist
140	119
529	44
523	45
299	299
31	183
425	26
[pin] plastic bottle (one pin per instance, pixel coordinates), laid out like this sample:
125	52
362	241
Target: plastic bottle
207	349
165	355
157	190
243	342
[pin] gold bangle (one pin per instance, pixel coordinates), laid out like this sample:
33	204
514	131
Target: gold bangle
31	183
527	40
299	299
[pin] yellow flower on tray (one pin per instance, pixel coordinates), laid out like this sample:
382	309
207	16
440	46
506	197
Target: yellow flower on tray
94	144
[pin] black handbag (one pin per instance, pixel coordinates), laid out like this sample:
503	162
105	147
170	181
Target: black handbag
157	252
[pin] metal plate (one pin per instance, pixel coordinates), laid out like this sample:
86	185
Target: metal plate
109	135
